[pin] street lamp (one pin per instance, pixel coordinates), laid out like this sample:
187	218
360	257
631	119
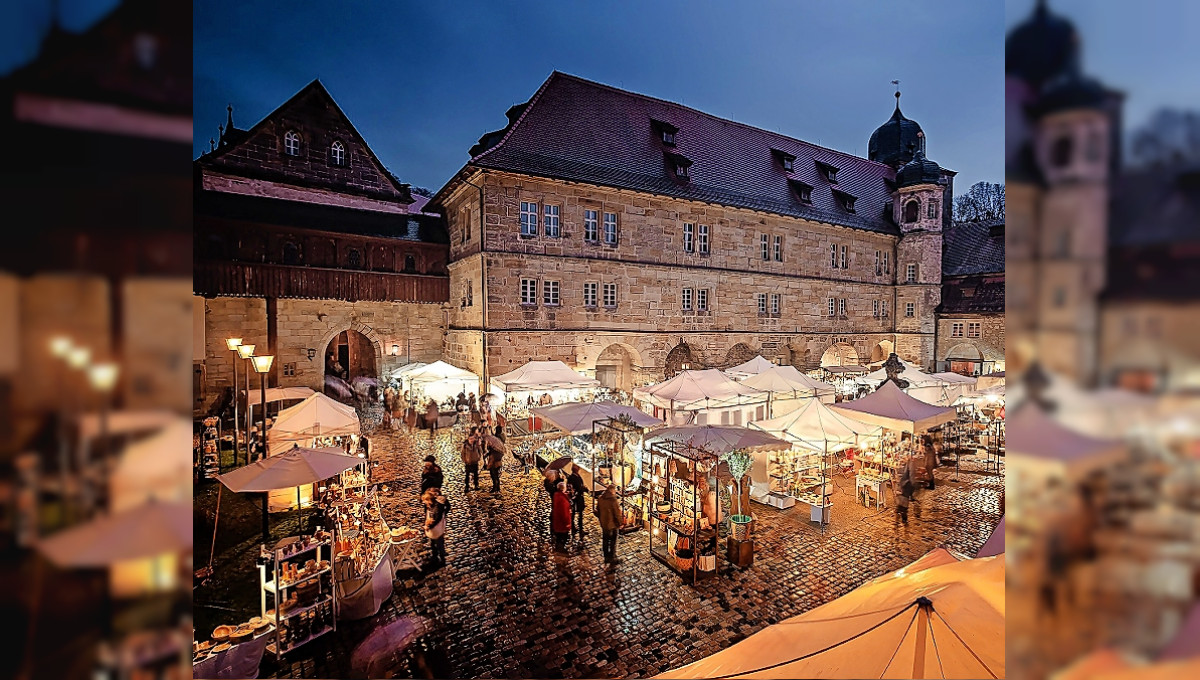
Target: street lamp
245	352
232	344
77	357
262	366
103	377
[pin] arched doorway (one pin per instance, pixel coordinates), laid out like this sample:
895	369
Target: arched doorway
616	367
679	359
965	358
739	354
841	354
882	351
349	355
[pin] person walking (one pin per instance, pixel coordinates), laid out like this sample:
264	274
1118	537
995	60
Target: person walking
931	460
432	414
902	501
560	517
550	484
578	501
471	455
431	475
436	507
608	509
495	459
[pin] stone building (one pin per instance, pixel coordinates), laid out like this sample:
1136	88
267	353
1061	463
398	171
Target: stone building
970	320
1103	257
631	237
309	248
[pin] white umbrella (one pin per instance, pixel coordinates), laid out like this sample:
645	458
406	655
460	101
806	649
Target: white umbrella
296	467
146	530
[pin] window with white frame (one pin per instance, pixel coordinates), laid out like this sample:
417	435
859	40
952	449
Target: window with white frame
910	309
337	153
529	291
470	294
764	243
779	249
842	306
883	309
931	209
775	303
832	307
686	299
291	143
844	259
833	258
910	273
887	269
702	299
550	293
529	219
973	329
610	229
551	220
875	308
610	295
689	237
956	329
703	239
591	225
589	294
762	303
878	263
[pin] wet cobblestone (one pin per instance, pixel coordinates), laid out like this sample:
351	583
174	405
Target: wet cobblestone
503	606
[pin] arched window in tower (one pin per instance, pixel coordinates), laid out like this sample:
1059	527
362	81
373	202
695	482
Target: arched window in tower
337	154
1060	151
291	253
931	210
410	264
291	143
354	258
912	211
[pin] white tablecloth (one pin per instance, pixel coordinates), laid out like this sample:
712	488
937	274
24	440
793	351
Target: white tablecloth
239	661
361	597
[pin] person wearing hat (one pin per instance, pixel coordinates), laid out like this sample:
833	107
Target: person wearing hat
431	475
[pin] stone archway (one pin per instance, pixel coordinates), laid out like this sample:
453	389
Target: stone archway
618	366
882	351
678	359
739	354
350	355
965	358
840	354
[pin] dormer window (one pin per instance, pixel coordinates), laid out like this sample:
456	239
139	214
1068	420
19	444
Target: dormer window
291	143
681	170
787	160
845	199
666	131
829	172
803	191
337	154
679	164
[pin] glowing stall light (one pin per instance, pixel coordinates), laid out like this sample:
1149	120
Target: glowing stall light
60	345
78	357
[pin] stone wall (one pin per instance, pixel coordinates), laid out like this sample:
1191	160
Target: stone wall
157	332
990	344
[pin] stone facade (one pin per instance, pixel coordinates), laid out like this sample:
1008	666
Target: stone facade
987	348
651	268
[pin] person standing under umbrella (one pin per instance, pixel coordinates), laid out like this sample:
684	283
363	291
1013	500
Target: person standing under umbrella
560	517
578	502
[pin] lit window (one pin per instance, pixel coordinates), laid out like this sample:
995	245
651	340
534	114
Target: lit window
529	291
291	143
764	242
775	303
689	237
779	249
931	210
337	154
703	239
762	303
610	229
589	295
529	219
702	299
832	307
591	225
551	221
910	273
956	329
973	329
910	309
550	292
687	299
610	295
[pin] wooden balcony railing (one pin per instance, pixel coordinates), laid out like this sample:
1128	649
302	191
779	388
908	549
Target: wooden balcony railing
283	281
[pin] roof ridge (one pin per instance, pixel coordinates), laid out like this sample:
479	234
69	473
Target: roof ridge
667	102
513	125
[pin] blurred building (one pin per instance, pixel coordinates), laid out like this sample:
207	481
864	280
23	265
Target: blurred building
1102	260
970	333
309	248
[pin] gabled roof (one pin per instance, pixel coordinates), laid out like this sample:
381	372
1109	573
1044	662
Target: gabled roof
973	248
233	137
578	130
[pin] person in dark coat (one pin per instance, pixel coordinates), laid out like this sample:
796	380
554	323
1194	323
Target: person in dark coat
495	459
578	495
608	508
560	517
931	460
471	455
431	416
436	507
550	483
431	475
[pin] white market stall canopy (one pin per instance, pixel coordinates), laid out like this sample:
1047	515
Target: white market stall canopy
699	390
543	376
788	382
157	467
753	367
577	418
915	376
404	370
890	407
882	630
288	470
316	416
440	380
275	394
720	439
815	426
1035	439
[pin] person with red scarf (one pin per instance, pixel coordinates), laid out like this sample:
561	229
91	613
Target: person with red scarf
560	517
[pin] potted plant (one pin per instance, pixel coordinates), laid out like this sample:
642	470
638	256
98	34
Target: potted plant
739	462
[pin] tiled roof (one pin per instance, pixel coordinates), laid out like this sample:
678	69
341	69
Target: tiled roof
973	295
578	130
1155	207
973	248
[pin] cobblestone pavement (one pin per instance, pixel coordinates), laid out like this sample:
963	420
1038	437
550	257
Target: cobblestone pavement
504	607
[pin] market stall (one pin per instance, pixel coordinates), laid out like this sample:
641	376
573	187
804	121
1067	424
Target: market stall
275	395
753	367
540	383
316	417
363	544
788	389
703	397
441	381
924	386
954	387
843	378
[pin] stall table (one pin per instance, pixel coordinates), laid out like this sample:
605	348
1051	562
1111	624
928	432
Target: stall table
875	483
239	661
